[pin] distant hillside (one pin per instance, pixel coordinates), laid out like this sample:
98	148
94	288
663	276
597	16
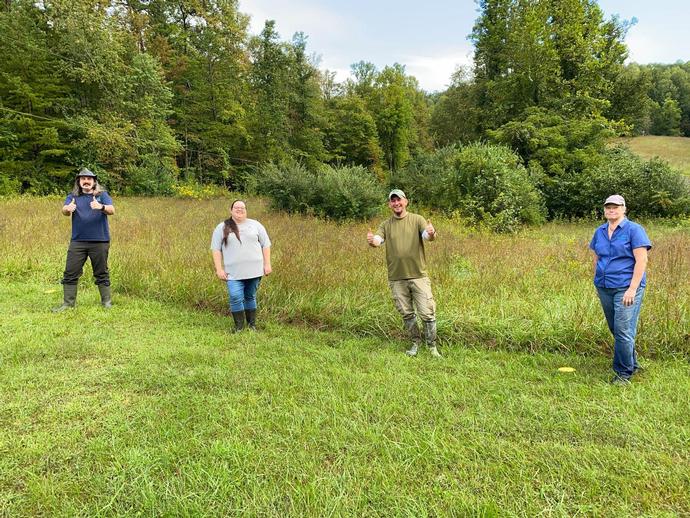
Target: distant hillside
675	150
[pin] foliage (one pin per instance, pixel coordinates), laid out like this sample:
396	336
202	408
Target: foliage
555	143
351	136
88	98
339	192
630	102
481	181
666	118
399	110
560	56
650	188
454	113
654	99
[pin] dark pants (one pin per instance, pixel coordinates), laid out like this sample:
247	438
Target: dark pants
77	254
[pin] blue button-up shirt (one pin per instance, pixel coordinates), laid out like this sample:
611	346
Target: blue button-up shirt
616	261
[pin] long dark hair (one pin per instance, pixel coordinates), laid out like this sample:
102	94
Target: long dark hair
76	190
231	225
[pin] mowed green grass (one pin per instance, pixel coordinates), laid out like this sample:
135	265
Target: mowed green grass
675	150
154	409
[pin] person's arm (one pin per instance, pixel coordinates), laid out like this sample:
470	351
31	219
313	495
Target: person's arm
640	267
266	251
596	259
218	264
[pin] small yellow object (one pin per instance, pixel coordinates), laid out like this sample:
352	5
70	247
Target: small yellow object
566	369
50	291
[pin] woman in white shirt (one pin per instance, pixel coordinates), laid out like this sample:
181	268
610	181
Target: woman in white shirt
241	252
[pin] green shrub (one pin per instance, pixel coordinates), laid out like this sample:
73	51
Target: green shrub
481	181
650	188
153	176
346	192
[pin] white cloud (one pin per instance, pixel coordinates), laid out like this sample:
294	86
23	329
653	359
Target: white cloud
434	72
645	47
295	16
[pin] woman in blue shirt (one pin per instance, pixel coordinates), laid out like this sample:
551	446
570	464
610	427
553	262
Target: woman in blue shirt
620	248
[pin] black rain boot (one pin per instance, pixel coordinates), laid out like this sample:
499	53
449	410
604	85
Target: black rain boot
251	318
430	338
69	298
413	331
238	317
105	296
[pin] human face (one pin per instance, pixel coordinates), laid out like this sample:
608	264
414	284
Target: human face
398	206
238	211
614	213
86	183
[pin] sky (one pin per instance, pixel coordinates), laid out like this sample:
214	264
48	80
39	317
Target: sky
430	38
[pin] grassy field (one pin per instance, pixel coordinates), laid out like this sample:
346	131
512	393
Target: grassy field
675	150
153	409
529	292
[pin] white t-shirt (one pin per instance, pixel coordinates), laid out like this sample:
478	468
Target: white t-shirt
245	259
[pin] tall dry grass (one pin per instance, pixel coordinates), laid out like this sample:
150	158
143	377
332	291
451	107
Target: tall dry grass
530	291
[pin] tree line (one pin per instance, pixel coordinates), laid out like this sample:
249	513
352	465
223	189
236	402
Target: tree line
154	92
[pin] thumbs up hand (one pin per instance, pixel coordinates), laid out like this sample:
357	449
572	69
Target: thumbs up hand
71	206
370	237
95	205
430	230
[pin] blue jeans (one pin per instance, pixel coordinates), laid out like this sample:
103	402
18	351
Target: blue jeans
243	294
622	321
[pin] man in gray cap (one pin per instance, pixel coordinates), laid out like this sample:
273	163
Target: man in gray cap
89	206
404	234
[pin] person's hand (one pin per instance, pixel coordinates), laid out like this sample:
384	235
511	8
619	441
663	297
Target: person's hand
267	269
95	205
71	206
370	237
430	230
222	275
629	296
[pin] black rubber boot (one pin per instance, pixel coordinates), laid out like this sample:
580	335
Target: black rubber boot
105	296
430	338
413	331
251	318
69	298
238	317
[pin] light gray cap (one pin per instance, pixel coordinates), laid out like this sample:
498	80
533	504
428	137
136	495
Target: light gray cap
396	192
615	199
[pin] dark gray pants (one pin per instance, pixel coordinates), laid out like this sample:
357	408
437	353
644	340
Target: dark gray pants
77	254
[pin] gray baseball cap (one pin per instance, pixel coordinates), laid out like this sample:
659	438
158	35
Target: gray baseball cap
85	172
396	192
615	199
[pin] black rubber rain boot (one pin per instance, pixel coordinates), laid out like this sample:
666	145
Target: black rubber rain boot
69	298
238	317
430	338
413	331
106	302
251	318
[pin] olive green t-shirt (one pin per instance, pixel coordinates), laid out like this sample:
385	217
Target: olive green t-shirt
404	246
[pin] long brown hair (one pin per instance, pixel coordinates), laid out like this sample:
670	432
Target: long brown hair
76	190
231	225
